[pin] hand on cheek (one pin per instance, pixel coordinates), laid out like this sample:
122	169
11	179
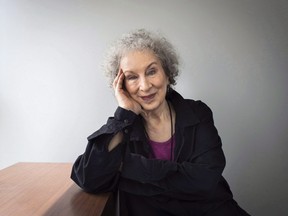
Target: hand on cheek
123	97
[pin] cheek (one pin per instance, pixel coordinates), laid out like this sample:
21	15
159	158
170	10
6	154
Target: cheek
131	87
161	83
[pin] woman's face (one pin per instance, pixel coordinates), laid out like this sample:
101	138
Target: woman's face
145	79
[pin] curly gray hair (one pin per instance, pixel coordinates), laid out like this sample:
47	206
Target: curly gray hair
142	39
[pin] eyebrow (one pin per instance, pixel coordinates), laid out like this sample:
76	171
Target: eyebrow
152	63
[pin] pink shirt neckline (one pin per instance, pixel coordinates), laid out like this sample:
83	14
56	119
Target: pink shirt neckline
162	150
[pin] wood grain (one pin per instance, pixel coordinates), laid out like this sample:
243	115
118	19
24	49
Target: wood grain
45	189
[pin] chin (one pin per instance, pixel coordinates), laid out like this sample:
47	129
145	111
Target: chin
149	107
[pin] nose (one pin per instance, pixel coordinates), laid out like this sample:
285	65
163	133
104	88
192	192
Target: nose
145	84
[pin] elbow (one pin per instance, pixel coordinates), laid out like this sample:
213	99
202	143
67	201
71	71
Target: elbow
100	184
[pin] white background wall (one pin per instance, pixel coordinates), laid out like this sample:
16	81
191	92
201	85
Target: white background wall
53	93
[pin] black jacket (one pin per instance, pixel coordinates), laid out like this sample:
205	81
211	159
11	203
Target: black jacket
192	184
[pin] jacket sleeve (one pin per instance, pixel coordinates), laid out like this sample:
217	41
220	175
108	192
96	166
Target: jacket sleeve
97	170
197	176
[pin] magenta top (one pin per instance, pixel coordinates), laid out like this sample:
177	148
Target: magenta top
162	150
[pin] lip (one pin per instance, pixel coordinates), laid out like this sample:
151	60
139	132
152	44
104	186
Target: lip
148	98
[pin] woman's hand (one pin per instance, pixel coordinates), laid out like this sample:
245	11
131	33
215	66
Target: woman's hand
123	97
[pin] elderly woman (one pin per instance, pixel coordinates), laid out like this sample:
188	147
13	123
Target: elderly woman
160	152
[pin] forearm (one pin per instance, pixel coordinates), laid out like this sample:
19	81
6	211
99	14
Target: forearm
97	170
196	178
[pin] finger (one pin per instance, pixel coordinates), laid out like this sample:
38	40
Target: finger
116	79
120	81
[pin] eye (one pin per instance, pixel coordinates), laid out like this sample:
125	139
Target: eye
151	71
131	77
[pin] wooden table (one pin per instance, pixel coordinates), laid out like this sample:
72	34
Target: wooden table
45	189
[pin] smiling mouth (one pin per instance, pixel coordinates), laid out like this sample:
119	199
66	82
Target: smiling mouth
148	97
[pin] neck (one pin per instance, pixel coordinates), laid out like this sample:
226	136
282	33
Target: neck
163	130
159	125
159	115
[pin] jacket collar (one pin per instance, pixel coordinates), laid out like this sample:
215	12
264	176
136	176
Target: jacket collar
185	115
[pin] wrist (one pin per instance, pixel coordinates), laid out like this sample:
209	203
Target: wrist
130	109
124	114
